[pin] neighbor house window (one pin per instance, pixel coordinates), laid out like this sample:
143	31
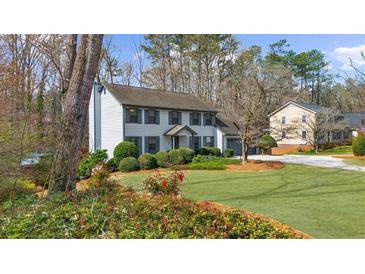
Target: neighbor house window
336	135
208	141
174	118
151	116
195	119
283	120
346	135
133	115
152	144
137	140
304	134
195	142
304	118
283	135
209	119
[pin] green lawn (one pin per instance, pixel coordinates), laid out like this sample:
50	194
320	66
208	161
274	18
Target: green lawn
325	203
355	162
332	151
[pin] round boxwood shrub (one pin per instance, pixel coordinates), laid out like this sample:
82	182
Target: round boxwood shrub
266	142
147	161
176	157
358	145
123	150
162	159
228	152
128	164
187	153
111	165
210	151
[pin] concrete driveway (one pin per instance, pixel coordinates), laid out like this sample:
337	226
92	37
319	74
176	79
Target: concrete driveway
320	161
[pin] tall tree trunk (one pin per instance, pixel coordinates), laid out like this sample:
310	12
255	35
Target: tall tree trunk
244	149
74	115
71	48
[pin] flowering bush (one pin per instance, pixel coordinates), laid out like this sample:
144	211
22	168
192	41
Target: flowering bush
164	183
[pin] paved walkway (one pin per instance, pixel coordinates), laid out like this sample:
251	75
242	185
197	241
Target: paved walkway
321	161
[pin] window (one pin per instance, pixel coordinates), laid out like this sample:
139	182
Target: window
209	119
133	115
208	141
304	118
151	116
283	120
137	140
174	118
283	135
152	144
195	119
336	135
346	135
195	142
304	134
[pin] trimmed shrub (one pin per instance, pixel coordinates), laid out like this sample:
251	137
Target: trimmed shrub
176	157
128	164
162	159
210	151
147	161
228	152
266	142
90	161
358	145
187	153
111	165
123	150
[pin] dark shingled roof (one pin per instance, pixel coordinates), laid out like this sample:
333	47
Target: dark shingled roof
354	120
145	97
225	125
313	107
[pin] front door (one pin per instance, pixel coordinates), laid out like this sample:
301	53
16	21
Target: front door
175	142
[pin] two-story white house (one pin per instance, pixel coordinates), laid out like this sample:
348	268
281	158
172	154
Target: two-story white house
154	120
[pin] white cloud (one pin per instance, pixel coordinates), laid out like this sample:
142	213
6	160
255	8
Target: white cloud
344	55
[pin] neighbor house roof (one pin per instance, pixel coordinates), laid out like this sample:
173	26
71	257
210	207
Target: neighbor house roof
145	97
226	126
310	107
354	120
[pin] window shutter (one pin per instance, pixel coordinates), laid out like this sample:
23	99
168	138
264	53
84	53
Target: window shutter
170	117
200	119
190	141
212	141
146	144
213	120
204	141
200	141
157	144
139	111
158	116
126	114
179	115
191	118
146	116
204	119
139	141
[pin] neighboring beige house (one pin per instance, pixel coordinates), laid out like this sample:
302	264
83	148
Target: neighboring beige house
291	125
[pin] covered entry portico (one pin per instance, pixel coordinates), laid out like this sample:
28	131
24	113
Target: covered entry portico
179	135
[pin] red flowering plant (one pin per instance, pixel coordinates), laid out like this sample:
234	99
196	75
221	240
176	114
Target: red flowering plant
164	183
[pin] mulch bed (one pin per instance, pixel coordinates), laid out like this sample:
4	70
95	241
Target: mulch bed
257	166
217	206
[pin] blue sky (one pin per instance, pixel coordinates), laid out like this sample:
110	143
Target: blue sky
338	48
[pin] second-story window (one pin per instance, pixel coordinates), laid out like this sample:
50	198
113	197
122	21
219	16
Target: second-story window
304	118
283	134
133	115
304	134
151	116
209	119
283	120
174	118
195	119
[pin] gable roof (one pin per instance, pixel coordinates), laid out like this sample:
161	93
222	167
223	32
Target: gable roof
145	97
354	120
226	126
309	107
174	131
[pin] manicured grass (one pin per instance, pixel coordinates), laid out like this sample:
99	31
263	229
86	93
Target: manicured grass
355	162
325	203
332	151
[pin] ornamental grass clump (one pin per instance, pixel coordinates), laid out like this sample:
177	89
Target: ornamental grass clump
168	183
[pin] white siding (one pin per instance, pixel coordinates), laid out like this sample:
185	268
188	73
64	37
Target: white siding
220	143
91	122
143	130
111	122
